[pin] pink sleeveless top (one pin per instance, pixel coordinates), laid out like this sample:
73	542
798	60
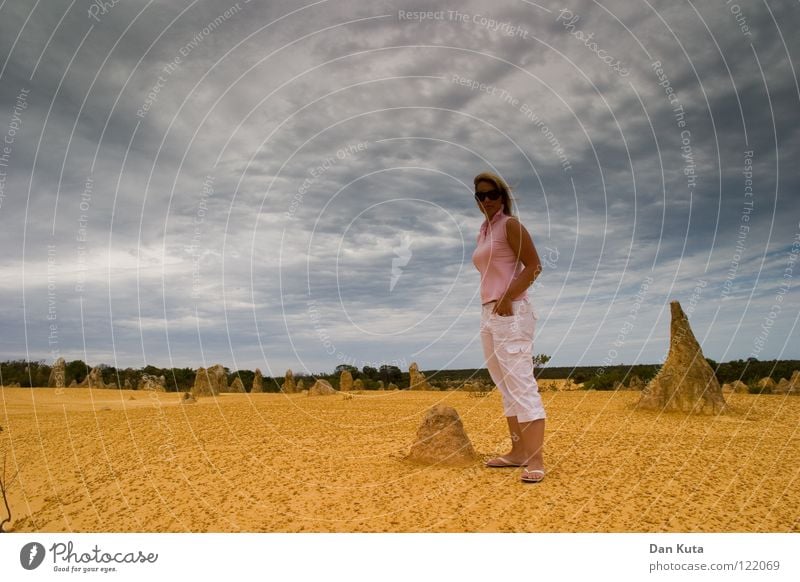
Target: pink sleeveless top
495	260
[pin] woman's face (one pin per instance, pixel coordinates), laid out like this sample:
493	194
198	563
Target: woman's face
489	207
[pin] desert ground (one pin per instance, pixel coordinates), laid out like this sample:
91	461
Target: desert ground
93	460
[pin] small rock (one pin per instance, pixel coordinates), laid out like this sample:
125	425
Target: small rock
790	386
93	380
442	440
154	383
237	386
321	388
767	383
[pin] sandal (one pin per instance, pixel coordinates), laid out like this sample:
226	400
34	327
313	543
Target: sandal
501	463
528	475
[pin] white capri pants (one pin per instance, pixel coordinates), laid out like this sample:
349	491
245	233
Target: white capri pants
507	346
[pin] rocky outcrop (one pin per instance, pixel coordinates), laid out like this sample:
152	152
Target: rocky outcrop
416	379
321	388
58	374
345	381
289	386
154	383
210	381
93	380
258	383
237	386
790	386
735	387
686	381
767	384
442	440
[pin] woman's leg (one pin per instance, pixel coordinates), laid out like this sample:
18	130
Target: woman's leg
533	439
527	442
517	455
518	449
513	344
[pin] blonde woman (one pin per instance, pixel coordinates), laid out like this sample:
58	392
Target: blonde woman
508	263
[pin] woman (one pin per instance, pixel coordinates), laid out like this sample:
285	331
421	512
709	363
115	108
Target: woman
509	264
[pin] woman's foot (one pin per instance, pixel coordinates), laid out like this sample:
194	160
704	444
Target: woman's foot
532	474
509	460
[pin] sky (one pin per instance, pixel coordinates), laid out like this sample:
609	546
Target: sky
286	185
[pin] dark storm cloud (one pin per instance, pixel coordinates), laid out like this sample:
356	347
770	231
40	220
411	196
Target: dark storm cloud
256	183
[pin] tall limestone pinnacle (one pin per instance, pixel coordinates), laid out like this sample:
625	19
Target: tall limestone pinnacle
210	381
345	381
258	383
686	381
289	386
416	379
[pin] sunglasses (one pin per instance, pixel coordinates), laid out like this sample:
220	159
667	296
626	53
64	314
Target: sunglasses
491	195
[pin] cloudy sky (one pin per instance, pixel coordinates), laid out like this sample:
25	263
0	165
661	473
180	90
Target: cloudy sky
277	185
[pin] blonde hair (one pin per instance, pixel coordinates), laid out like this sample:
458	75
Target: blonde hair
500	184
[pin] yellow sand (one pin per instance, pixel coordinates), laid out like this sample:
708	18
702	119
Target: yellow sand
94	460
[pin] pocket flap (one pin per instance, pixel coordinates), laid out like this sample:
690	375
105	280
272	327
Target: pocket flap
515	347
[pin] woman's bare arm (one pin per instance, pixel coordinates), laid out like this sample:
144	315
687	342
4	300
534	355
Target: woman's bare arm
521	243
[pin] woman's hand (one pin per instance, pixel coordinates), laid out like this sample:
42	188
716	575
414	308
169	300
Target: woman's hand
503	307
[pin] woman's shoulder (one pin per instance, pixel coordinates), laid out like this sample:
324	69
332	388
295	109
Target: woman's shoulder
514	227
511	221
502	223
501	218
